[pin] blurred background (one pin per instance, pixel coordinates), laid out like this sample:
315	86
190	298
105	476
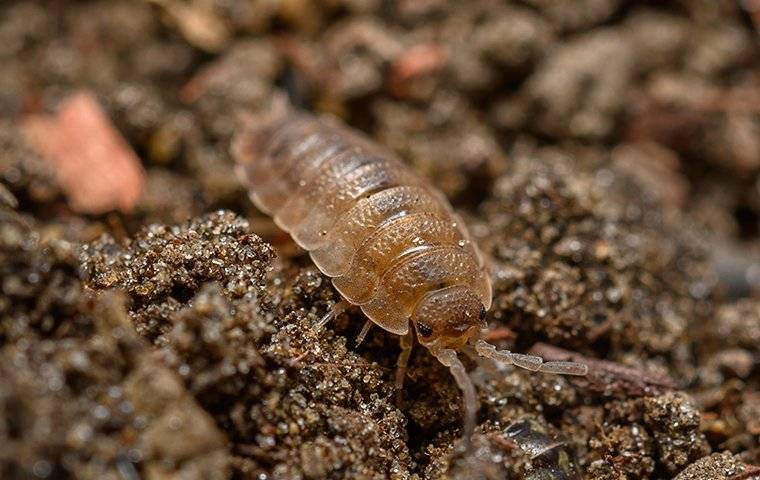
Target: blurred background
606	154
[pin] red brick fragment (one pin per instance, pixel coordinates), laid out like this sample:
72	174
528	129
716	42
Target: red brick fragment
94	165
418	61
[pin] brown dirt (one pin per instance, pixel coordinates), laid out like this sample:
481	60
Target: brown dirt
605	154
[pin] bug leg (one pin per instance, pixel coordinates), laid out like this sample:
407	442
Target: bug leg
407	342
363	333
529	362
325	320
336	310
449	358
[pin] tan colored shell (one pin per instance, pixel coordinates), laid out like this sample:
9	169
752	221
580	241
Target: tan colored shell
384	234
388	239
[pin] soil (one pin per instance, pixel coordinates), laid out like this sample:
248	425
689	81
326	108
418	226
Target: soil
604	153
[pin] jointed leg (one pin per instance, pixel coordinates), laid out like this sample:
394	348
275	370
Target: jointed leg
529	362
407	342
363	334
336	310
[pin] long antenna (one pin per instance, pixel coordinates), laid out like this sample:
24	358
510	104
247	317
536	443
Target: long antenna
529	362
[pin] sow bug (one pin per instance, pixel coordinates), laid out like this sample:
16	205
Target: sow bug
391	242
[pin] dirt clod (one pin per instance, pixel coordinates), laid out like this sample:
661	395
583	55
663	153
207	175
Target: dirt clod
604	154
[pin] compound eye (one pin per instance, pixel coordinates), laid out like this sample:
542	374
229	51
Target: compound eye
482	313
424	330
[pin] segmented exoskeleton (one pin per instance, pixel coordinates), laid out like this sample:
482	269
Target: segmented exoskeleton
390	241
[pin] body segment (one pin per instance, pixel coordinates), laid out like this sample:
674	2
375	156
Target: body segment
383	234
390	242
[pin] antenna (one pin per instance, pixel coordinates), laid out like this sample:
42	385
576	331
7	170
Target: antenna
529	362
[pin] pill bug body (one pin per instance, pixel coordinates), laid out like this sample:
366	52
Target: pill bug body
390	241
384	235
